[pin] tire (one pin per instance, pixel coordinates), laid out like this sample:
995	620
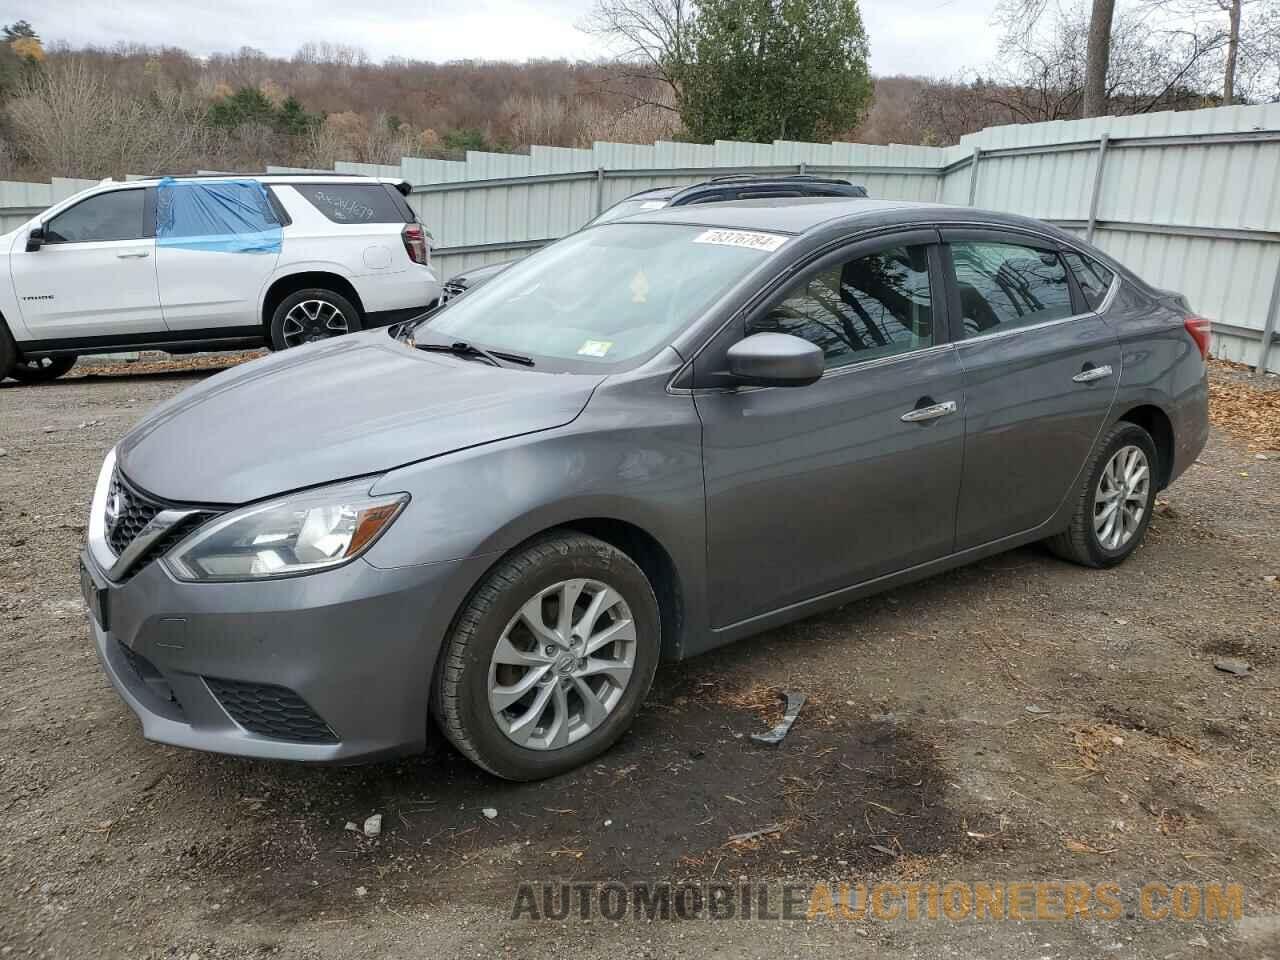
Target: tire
467	667
42	370
1083	542
294	322
8	350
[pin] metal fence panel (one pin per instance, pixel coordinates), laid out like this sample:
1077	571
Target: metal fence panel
1189	200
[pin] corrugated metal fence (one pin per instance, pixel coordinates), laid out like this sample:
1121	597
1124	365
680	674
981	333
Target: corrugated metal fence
1189	200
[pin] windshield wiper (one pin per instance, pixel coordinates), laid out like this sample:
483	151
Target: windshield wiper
460	348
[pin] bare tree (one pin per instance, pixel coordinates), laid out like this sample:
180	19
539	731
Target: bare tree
1233	52
650	41
1097	58
69	122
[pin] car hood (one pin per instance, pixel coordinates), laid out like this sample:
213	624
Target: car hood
352	406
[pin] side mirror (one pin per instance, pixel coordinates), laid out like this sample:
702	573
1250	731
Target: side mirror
776	360
35	239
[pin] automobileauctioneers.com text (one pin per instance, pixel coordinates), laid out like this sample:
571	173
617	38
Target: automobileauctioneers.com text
953	901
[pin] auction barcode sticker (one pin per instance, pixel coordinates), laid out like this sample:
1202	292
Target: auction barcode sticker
768	242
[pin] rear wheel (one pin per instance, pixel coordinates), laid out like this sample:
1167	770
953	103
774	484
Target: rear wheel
41	370
549	662
1113	504
310	315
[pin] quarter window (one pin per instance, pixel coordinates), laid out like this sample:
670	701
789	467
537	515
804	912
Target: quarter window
117	215
875	306
1093	277
1004	286
356	202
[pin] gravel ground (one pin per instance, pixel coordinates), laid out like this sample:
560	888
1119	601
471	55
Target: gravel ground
1018	720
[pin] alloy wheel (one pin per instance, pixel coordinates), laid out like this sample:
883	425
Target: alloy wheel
310	320
1120	502
562	664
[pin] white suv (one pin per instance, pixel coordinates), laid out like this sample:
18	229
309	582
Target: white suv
209	263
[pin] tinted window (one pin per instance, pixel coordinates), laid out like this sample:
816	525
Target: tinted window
355	202
118	215
1093	277
875	306
1005	285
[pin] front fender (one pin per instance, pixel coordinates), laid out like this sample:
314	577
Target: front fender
643	468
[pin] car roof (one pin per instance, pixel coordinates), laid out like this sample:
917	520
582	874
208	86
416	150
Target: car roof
799	215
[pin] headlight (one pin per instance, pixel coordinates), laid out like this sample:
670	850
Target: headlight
298	534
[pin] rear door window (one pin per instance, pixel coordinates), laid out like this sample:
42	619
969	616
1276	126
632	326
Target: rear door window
1006	285
357	203
1094	279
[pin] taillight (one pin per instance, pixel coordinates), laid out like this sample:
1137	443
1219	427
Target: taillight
415	244
1200	330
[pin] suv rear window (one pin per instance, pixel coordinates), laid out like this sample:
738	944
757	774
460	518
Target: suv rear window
357	202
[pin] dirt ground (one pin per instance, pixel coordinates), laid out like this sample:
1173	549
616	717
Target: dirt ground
1018	720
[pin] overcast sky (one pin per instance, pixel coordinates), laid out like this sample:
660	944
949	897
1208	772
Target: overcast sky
935	37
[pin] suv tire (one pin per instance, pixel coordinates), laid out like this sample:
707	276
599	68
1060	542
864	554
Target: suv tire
41	370
472	675
310	315
1114	500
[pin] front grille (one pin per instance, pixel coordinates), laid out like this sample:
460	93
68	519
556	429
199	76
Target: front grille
132	512
129	510
271	711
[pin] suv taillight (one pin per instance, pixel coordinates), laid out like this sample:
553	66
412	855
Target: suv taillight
1200	330
415	244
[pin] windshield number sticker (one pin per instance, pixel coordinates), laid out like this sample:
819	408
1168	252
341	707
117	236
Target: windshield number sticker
595	348
768	242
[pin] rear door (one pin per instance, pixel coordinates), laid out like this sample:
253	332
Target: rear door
1040	374
95	274
211	271
812	489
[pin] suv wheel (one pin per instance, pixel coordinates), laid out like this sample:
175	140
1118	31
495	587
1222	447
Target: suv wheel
311	315
41	370
1113	505
549	661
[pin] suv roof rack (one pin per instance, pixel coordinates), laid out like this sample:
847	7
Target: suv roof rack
404	187
811	177
213	175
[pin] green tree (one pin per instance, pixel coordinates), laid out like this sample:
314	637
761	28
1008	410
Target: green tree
246	105
765	69
20	31
294	120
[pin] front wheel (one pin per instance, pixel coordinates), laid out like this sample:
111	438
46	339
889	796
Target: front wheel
308	316
549	662
1114	502
41	370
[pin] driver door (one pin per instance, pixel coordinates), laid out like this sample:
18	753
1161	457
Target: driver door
813	489
95	273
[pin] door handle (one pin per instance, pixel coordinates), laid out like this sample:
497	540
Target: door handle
1090	374
931	412
133	255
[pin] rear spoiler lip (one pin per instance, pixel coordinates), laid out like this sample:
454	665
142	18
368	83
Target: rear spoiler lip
404	187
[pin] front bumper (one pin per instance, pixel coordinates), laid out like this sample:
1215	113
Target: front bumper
355	647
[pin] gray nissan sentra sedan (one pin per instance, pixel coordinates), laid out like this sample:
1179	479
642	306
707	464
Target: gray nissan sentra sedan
654	437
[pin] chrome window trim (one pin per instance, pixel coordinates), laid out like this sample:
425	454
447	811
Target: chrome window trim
1058	243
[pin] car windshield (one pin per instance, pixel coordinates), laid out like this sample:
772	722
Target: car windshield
625	208
604	296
